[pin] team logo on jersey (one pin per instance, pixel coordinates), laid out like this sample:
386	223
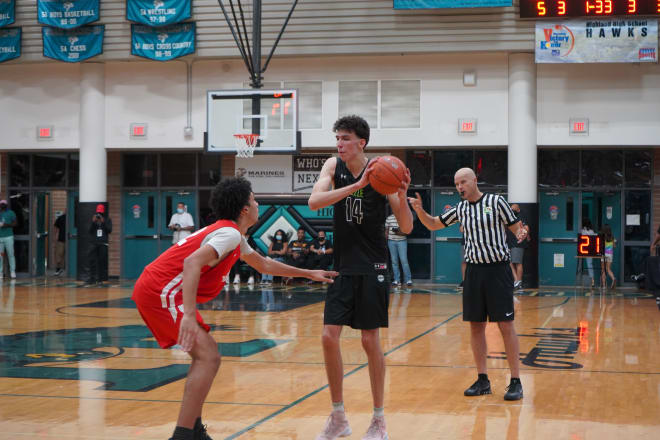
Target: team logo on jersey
381	278
488	210
380	266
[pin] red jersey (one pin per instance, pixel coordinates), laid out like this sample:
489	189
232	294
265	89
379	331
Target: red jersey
160	284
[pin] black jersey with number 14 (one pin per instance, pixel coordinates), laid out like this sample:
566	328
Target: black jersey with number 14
359	221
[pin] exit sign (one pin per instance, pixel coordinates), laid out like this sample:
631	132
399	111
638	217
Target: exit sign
45	132
578	127
467	126
138	131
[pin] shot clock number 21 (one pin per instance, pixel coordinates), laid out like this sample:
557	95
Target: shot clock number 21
588	8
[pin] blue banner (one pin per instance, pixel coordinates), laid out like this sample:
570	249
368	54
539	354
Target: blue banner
164	43
7	12
67	14
73	45
158	12
440	4
10	44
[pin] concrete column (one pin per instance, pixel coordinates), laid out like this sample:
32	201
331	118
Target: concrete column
522	158
93	159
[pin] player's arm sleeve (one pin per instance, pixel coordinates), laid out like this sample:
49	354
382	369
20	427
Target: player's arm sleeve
246	249
450	217
223	240
506	213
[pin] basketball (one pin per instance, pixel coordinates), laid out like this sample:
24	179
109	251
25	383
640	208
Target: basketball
387	175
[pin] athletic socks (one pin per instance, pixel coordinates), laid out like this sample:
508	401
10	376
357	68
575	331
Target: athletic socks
181	433
379	412
338	406
483	377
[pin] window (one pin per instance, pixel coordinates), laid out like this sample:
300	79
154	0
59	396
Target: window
310	103
637	215
49	170
400	104
178	169
140	170
209	169
558	168
419	163
602	168
638	168
19	170
359	98
491	167
446	163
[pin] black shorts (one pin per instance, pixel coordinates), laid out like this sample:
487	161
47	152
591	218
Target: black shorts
488	293
360	301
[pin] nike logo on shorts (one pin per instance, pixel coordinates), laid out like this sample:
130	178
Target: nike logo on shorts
509	314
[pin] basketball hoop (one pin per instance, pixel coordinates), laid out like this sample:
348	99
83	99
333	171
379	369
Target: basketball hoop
245	144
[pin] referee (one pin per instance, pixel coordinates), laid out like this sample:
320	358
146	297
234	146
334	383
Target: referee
488	285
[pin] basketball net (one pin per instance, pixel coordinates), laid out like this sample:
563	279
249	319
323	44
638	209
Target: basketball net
245	144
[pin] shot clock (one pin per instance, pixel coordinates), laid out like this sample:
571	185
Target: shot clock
589	8
590	246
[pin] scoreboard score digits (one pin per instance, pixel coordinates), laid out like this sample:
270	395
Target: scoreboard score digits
588	8
590	246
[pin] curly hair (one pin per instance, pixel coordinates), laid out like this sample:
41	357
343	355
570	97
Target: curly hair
229	197
354	124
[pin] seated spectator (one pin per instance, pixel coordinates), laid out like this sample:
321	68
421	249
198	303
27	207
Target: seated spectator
322	252
298	252
277	251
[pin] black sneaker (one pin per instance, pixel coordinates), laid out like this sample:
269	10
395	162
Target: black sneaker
480	387
200	432
514	391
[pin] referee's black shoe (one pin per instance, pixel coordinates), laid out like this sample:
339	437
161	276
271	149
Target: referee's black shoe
478	388
514	391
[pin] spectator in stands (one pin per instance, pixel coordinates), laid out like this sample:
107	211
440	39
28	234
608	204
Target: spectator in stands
322	250
298	252
277	251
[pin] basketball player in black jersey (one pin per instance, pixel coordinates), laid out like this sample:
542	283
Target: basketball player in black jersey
359	297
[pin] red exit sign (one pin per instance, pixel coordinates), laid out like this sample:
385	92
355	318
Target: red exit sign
578	126
467	126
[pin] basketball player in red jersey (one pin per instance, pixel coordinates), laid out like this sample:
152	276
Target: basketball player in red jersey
194	271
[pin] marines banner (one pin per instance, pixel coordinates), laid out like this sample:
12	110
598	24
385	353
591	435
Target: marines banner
610	40
163	43
73	45
439	4
158	12
7	12
10	44
67	14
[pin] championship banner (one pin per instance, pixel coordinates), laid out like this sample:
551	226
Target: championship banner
163	43
73	45
597	41
10	44
158	12
441	4
306	171
67	14
7	12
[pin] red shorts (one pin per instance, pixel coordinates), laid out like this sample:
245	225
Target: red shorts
163	324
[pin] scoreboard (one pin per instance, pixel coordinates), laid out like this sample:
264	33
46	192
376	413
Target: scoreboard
588	8
590	246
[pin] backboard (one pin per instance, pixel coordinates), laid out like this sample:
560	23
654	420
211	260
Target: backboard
270	113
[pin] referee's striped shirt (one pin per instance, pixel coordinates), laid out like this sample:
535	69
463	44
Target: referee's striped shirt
484	225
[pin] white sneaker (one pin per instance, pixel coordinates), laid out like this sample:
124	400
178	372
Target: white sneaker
237	279
251	280
13	274
377	430
336	426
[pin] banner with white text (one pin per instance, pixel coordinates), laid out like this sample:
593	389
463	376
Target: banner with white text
10	44
158	12
306	171
73	45
440	4
163	43
611	40
7	12
67	14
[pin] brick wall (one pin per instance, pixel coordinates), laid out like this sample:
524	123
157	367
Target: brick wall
114	203
655	194
58	199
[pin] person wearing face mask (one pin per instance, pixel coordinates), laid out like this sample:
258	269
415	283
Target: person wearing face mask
7	223
181	223
276	250
322	250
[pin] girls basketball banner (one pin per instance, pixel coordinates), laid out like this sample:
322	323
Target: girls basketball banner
440	4
73	45
10	44
597	41
158	12
7	12
163	43
67	14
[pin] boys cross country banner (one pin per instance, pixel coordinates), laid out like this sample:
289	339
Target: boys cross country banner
73	45
163	43
158	12
439	4
10	44
7	12
597	41
67	14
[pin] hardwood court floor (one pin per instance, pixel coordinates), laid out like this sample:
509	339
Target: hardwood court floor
77	363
